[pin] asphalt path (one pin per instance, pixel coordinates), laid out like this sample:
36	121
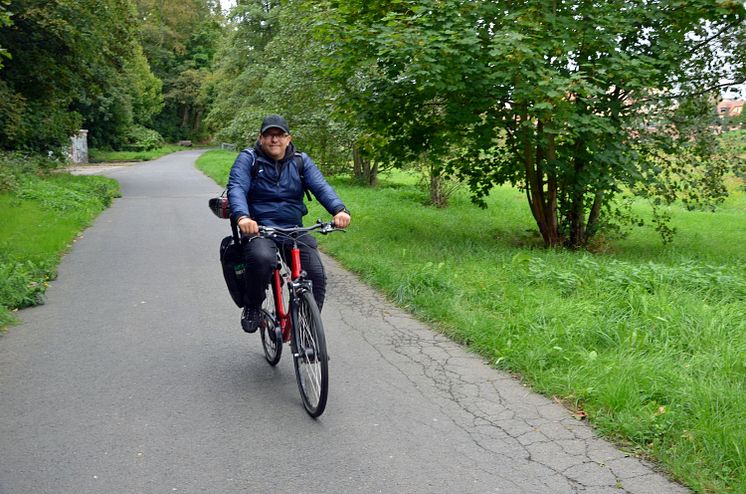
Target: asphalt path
135	377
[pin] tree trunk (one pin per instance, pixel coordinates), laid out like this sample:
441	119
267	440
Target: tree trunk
372	173
576	215
577	221
595	214
357	163
197	120
543	203
437	196
363	170
185	117
552	190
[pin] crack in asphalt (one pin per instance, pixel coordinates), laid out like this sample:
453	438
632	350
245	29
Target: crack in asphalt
502	418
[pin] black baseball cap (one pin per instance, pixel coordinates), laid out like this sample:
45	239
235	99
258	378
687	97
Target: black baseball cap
275	121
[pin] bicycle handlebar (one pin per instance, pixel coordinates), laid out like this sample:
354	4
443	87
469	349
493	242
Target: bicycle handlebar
323	227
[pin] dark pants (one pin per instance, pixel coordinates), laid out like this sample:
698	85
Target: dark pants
260	255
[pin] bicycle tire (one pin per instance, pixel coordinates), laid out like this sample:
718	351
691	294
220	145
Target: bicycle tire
310	355
270	331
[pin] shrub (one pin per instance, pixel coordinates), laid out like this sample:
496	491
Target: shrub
13	165
22	283
8	180
139	138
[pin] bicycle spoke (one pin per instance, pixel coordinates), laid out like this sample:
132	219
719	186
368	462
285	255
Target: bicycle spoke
271	343
312	376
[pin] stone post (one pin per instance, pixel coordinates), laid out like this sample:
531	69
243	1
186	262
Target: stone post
79	147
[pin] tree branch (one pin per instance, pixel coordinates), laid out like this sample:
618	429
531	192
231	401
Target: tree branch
726	28
695	93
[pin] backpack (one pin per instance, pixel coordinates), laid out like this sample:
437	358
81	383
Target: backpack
219	205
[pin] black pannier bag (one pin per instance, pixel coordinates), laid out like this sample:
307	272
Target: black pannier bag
231	252
234	268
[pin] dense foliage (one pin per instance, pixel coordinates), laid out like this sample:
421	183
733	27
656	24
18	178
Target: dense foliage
582	105
4	21
66	65
268	64
179	39
575	102
71	64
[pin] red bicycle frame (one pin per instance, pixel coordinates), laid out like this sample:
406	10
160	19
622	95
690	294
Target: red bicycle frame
282	315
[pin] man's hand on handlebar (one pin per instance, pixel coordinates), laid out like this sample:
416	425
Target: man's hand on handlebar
248	226
341	220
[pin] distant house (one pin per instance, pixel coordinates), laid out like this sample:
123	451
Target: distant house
730	108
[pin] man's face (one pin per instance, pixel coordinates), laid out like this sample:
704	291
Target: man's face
274	142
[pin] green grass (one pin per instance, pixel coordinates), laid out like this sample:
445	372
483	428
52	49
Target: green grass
39	219
213	164
648	340
101	155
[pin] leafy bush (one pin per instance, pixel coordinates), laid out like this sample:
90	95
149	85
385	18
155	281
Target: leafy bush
22	283
8	180
15	165
19	163
139	138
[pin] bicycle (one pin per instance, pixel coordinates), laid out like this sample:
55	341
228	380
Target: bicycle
290	315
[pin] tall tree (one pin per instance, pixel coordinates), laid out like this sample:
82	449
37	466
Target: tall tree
269	65
179	39
4	21
145	88
575	102
68	65
239	70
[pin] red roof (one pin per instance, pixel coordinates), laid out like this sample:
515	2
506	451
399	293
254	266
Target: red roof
730	107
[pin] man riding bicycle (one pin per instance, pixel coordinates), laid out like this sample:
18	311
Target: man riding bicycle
266	187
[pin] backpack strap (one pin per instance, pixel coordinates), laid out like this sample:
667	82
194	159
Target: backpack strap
254	168
298	158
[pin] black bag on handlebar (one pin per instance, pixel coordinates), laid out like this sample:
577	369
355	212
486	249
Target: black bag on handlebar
219	206
234	267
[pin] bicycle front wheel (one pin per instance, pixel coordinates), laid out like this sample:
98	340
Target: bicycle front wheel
311	358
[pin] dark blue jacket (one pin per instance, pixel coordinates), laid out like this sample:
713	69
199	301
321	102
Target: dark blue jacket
275	196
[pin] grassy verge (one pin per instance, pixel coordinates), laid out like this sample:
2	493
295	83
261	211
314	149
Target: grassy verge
216	164
647	341
40	216
103	156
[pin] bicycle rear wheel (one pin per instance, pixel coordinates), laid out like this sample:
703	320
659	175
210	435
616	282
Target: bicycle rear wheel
270	329
311	359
